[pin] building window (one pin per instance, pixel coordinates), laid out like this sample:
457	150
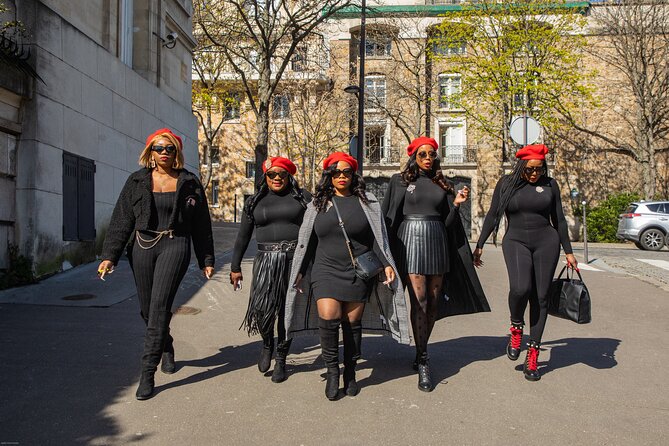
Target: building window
281	106
78	198
214	193
452	142
450	91
126	25
375	144
444	48
375	92
299	60
377	46
215	155
232	107
250	169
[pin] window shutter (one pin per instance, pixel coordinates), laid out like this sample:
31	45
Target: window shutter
86	196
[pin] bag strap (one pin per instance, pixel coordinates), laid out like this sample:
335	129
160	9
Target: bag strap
341	225
566	268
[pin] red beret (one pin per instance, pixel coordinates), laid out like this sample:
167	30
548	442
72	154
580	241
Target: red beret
161	132
340	156
421	141
532	152
279	161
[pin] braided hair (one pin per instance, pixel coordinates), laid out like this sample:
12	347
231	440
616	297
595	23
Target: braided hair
325	189
511	183
262	189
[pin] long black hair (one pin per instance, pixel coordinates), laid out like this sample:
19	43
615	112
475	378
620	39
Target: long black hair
262	189
411	171
510	184
325	189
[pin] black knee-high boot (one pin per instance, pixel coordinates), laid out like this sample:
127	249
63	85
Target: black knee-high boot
279	372
167	364
352	334
266	353
329	333
154	341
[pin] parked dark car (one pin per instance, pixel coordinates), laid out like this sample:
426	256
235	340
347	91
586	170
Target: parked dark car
646	223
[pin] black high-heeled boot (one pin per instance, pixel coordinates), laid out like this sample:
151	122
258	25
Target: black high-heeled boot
279	372
424	374
329	334
515	339
266	353
352	334
167	363
154	342
530	367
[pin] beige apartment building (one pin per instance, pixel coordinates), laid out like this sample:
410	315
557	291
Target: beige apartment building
83	88
394	65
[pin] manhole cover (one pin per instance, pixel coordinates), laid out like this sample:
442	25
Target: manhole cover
187	310
79	297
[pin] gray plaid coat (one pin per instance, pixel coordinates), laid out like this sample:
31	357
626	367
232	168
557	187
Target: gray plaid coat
386	311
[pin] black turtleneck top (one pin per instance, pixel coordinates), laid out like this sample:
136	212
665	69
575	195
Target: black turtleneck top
277	217
424	197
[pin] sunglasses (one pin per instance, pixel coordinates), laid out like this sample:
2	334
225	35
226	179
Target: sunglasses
271	174
432	154
160	149
530	170
348	172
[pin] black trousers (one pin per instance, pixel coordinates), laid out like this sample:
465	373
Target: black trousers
531	257
158	272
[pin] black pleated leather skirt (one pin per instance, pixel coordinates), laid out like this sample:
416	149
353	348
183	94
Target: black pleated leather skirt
422	245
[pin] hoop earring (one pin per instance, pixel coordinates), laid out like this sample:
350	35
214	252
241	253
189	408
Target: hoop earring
152	164
174	164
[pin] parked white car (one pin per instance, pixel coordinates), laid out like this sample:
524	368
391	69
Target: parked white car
646	223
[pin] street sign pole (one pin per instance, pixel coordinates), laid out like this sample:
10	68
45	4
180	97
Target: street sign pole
585	235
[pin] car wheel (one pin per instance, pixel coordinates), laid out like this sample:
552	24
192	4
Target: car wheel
652	239
640	246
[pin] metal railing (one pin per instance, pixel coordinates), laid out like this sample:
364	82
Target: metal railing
449	155
379	155
455	155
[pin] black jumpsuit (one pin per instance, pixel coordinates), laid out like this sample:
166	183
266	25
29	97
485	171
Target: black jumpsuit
276	218
536	227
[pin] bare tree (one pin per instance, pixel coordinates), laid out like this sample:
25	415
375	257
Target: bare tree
258	39
636	45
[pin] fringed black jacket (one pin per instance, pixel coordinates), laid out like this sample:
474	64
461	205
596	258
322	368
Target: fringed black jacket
133	212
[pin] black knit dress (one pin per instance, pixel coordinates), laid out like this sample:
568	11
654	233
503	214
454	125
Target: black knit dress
332	274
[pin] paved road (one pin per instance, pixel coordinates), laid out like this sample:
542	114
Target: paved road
68	376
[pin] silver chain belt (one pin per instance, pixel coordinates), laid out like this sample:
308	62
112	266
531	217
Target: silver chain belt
150	243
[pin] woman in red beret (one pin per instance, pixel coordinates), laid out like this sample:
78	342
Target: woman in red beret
536	227
430	245
162	207
340	292
275	212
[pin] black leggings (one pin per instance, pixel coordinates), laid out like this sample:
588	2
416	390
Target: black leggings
531	257
158	272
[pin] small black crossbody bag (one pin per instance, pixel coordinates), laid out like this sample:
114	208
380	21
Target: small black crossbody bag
366	265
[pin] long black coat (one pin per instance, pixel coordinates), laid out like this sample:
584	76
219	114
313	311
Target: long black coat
461	283
190	216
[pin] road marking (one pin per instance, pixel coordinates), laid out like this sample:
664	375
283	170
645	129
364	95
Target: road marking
585	267
664	264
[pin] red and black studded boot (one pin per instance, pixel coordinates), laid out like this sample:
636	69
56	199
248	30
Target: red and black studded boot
530	369
513	347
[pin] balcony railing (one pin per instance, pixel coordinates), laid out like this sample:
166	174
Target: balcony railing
455	155
379	155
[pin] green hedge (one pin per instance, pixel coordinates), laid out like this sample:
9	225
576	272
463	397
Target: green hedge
603	218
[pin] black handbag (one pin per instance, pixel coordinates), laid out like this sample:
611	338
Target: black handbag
569	298
367	265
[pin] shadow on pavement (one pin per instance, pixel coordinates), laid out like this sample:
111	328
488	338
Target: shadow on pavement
598	353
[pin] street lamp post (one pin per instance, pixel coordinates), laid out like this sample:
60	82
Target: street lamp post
585	235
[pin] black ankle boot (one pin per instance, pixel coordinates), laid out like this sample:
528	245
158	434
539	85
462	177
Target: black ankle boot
279	372
424	374
352	334
329	334
530	367
515	339
266	353
146	385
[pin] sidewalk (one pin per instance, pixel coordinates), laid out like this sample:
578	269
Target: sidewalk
68	376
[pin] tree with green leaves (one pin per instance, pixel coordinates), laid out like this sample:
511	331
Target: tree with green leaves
520	56
258	40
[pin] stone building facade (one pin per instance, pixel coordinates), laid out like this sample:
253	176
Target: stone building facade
110	73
